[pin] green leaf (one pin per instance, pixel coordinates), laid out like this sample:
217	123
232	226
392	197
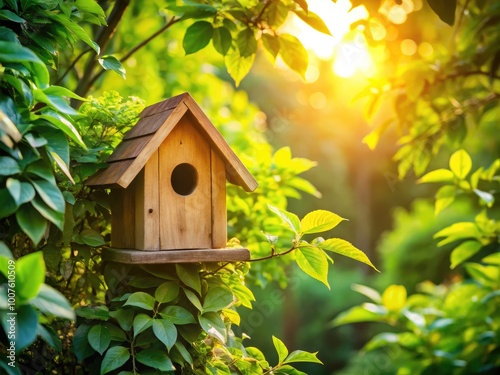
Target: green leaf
313	20
460	164
319	221
166	292
213	325
184	352
91	237
109	62
289	218
8	206
141	300
217	299
444	197
238	66
177	315
193	298
63	124
155	358
95	312
271	44
57	218
73	27
115	357
30	275
99	338
276	14
50	336
13	52
50	194
81	346
444	9
281	349
343	247
27	322
463	252
124	317
458	231
190	276
141	323
14	188
90	6
11	16
439	175
165	331
294	54
368	292
222	40
197	36
313	262
246	42
302	356
51	302
359	314
8	166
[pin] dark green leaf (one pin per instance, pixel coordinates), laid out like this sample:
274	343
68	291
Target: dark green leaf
444	9
216	299
155	358
50	336
8	206
91	312
124	317
141	300
193	298
31	222
81	346
177	315
197	36
222	40
99	338
8	166
165	331
115	357
189	276
166	292
247	44
27	322
52	303
213	325
57	218
141	323
92	238
50	194
109	62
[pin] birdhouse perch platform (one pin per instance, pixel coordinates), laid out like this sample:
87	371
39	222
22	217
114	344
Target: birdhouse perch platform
168	188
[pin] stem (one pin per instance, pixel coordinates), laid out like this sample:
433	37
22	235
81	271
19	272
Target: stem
259	16
273	255
73	65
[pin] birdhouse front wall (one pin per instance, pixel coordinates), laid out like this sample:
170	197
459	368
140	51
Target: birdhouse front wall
178	200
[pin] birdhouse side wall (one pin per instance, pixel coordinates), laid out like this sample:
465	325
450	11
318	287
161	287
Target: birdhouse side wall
123	217
219	212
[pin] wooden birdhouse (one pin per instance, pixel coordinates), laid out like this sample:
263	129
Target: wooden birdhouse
168	188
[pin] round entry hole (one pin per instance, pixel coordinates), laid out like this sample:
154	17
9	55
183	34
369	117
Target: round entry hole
184	179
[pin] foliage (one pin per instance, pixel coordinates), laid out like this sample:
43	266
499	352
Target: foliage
28	306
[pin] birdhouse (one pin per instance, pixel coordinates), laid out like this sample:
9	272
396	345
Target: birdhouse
168	188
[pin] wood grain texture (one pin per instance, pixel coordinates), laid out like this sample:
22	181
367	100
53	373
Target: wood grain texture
148	125
122	217
185	221
219	213
147	207
163	105
131	256
129	149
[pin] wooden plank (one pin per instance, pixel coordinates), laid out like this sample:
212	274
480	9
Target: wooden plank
129	149
185	222
148	125
147	208
175	256
163	105
219	213
237	170
108	177
122	217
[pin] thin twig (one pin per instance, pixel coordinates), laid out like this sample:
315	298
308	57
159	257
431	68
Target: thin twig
72	65
273	255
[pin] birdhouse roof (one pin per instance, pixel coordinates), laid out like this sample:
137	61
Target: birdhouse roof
155	124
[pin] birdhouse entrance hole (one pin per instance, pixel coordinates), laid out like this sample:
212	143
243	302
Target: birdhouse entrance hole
184	179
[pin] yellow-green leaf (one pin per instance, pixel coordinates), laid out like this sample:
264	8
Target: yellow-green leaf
394	297
313	262
343	247
460	163
319	221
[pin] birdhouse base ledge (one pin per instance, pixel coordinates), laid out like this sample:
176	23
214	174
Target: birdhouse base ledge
133	256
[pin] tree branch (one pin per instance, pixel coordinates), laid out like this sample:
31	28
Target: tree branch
273	255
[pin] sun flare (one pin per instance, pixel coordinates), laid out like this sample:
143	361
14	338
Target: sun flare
345	47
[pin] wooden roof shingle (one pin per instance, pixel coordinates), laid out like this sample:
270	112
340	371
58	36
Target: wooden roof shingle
155	124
